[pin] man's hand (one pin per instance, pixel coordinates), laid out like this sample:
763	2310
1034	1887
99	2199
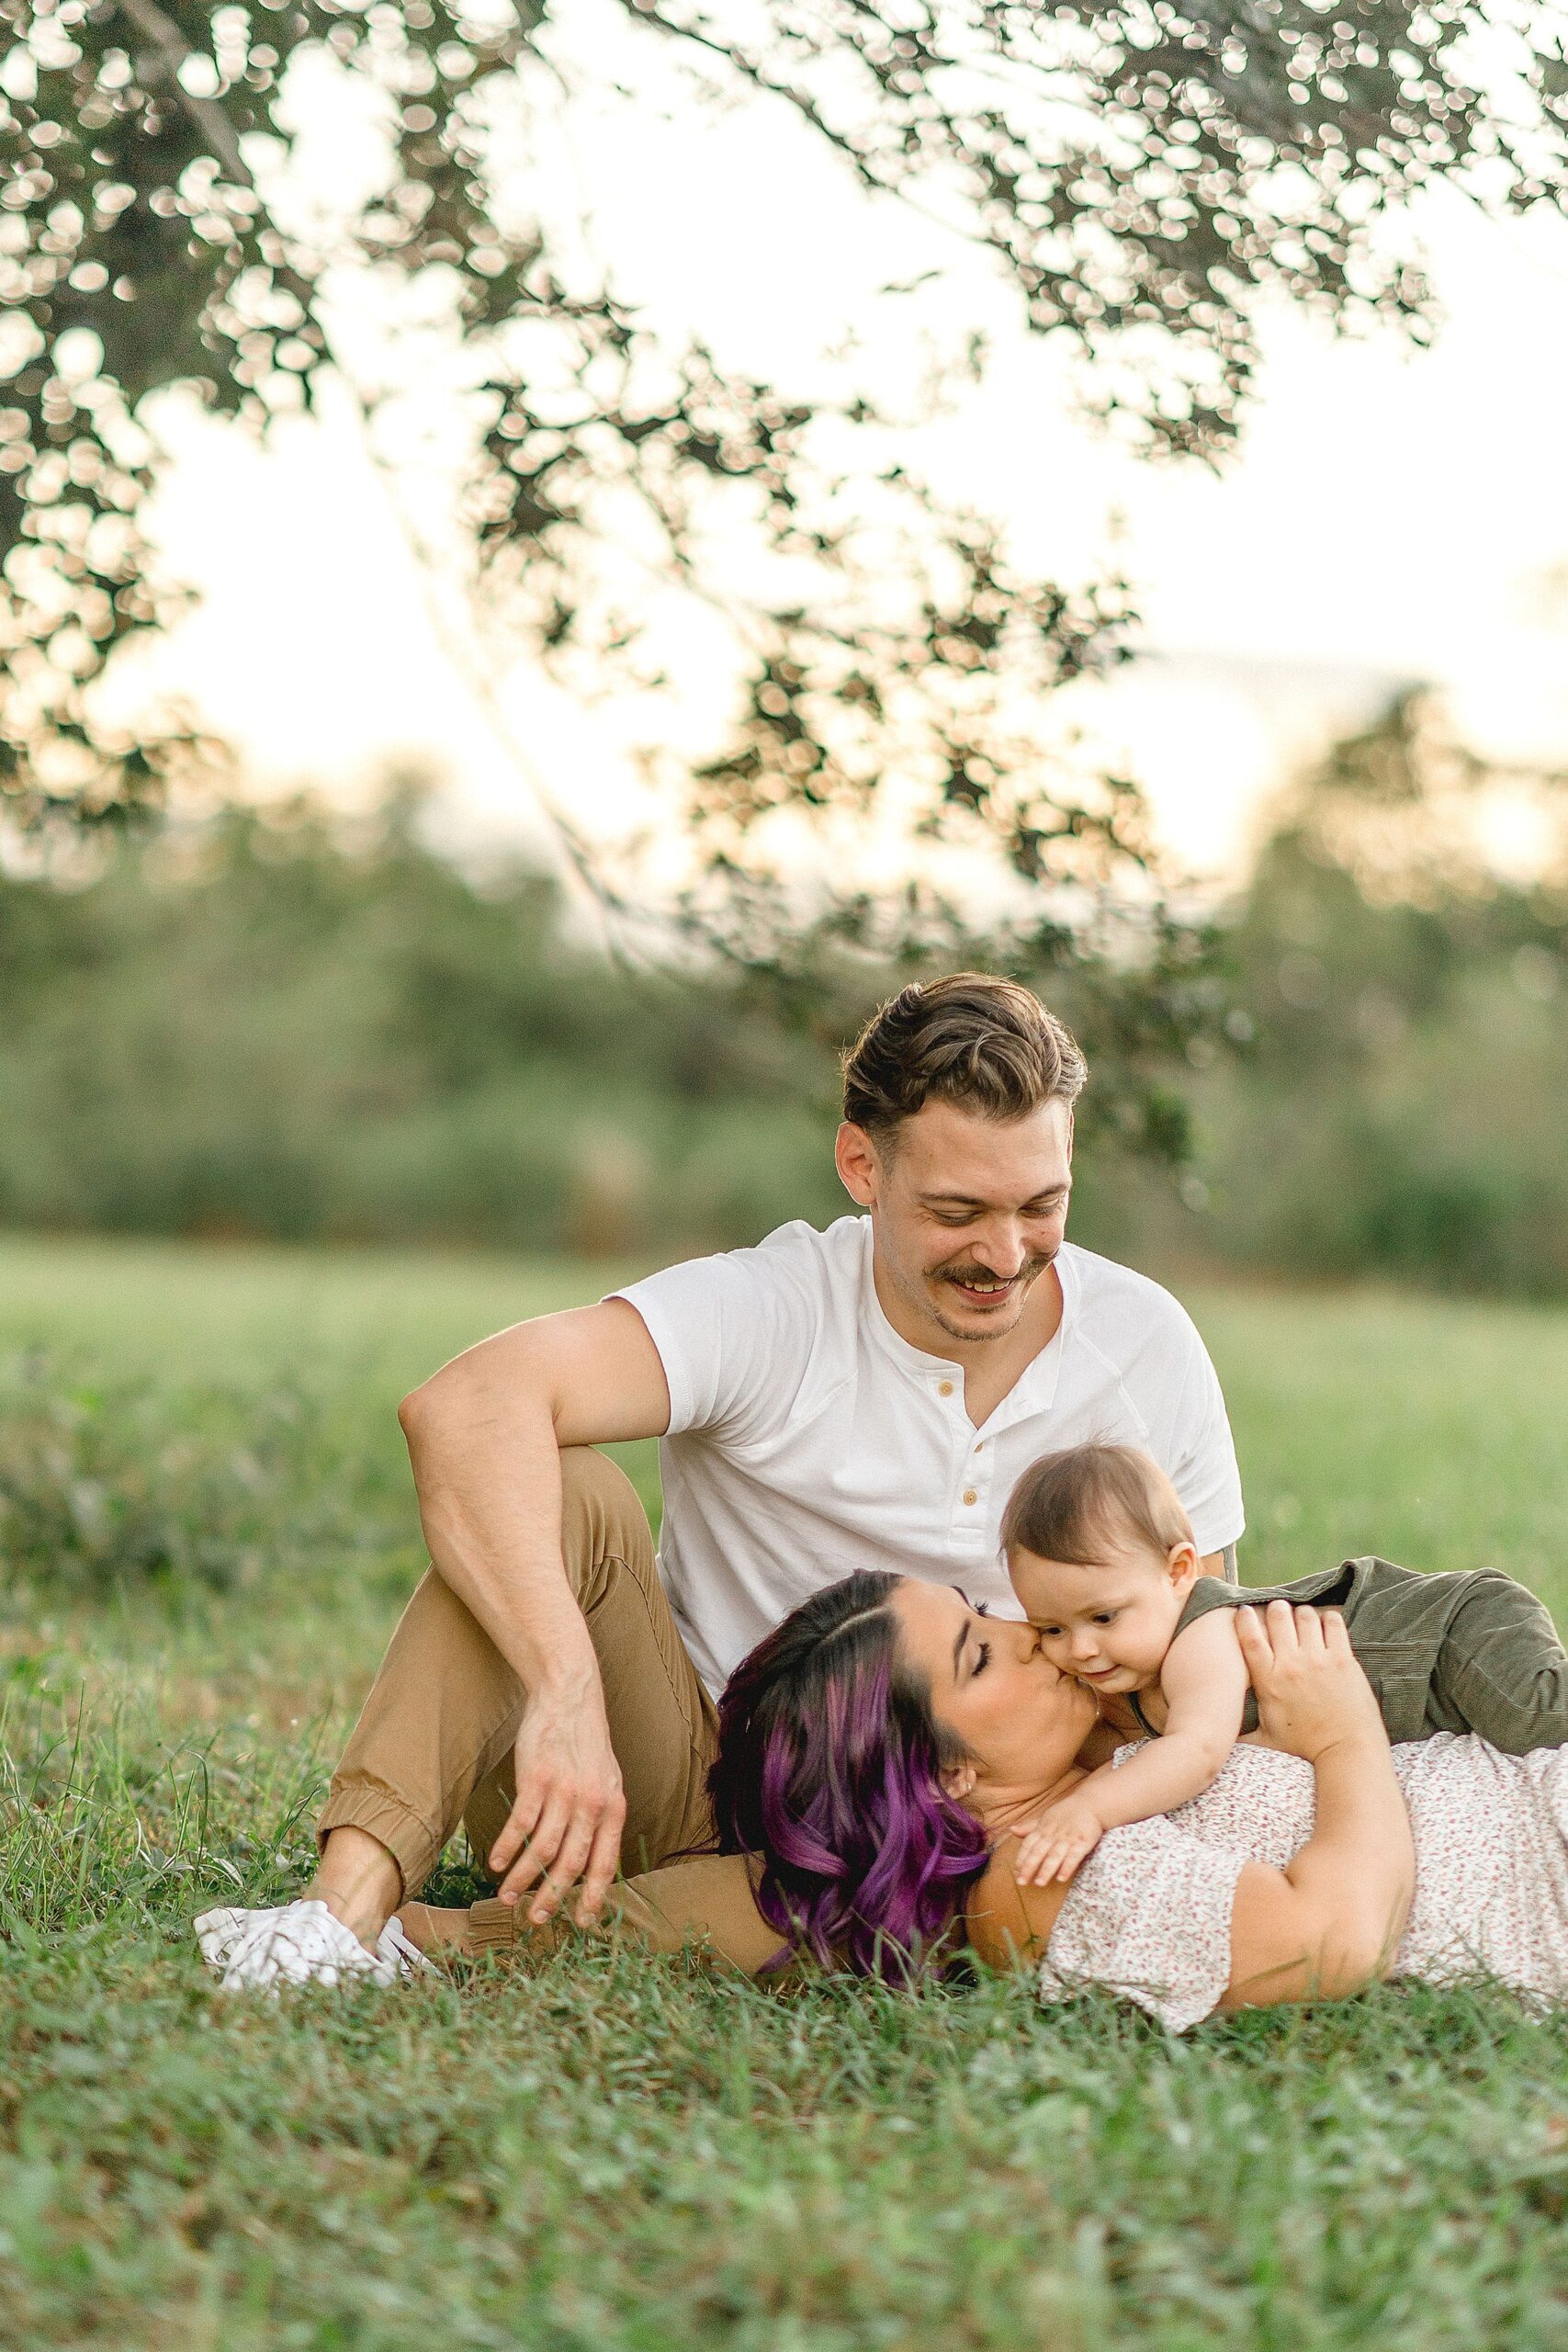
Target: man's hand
569	1810
1064	1835
1311	1693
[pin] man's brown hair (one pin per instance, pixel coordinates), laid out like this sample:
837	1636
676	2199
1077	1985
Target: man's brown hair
1067	1504
985	1044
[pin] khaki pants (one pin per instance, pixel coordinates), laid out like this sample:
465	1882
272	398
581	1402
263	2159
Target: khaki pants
432	1746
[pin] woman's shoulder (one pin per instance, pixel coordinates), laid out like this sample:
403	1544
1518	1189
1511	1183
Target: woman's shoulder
1259	1807
1148	1917
1008	1924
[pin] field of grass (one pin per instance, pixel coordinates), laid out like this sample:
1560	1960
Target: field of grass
208	1530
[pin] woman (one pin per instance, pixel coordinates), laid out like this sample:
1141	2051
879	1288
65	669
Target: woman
880	1749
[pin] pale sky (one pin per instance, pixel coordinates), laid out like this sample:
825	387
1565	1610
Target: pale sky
1392	515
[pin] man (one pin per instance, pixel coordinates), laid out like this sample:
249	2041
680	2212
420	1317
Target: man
862	1397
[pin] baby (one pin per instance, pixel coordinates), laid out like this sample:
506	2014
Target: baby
1101	1556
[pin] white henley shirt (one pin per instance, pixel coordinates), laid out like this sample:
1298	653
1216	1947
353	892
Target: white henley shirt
807	1439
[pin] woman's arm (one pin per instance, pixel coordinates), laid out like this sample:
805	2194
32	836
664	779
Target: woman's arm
1009	1925
1330	1921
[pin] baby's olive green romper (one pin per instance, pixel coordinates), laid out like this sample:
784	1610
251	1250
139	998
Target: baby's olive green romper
1469	1651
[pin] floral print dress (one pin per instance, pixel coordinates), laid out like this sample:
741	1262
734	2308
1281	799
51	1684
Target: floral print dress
1149	1914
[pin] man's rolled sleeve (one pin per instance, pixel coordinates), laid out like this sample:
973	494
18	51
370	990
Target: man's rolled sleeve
725	1329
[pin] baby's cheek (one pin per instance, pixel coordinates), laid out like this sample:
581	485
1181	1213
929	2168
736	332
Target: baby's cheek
1137	1647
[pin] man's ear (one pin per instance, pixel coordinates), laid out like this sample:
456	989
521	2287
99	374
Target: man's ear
855	1156
1182	1566
957	1782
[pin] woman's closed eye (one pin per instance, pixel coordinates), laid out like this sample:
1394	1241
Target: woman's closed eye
982	1657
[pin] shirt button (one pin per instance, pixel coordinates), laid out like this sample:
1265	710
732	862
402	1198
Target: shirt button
944	1388
970	1496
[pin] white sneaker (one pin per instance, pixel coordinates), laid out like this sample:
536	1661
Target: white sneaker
394	1949
299	1943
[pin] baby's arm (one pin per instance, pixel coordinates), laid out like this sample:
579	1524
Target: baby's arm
1204	1681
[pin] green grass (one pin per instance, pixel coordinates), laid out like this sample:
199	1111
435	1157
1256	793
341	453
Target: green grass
213	1533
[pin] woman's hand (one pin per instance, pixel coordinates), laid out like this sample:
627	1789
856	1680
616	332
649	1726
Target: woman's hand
1311	1694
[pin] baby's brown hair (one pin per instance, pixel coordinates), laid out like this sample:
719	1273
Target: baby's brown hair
1066	1504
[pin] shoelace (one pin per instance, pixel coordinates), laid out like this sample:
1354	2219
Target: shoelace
392	1944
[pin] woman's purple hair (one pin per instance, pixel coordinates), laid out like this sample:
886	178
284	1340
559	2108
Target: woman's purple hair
829	1768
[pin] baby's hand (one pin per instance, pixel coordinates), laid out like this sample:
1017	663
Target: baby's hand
1062	1836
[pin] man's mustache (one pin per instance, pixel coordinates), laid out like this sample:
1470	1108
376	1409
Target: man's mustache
954	1272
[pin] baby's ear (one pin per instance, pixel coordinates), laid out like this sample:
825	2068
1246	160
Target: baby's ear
1181	1564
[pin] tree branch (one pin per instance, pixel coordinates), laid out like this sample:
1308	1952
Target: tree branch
172	50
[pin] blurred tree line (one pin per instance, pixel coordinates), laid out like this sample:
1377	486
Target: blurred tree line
286	1024
272	1028
1399	1108
278	1025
